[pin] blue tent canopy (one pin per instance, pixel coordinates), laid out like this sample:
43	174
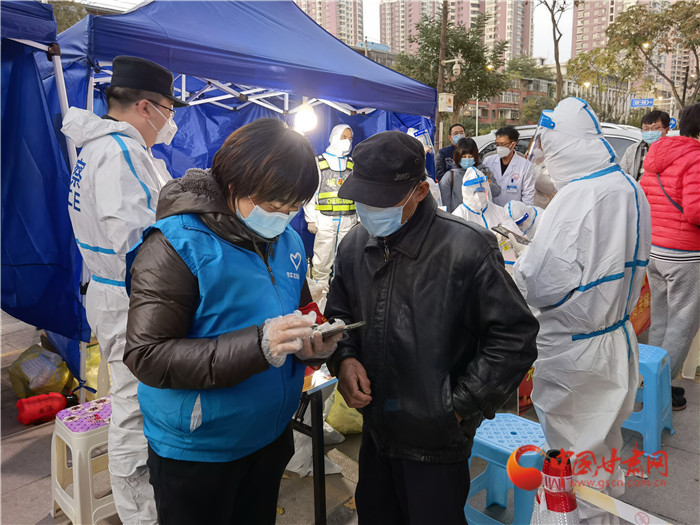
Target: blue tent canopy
28	21
269	44
40	261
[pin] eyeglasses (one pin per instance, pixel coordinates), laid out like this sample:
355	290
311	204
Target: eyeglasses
172	111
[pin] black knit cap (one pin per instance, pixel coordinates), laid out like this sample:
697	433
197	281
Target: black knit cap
386	167
139	73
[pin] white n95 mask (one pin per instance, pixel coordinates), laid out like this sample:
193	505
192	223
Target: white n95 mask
503	151
167	132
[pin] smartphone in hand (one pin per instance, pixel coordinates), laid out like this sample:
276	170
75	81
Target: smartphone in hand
505	231
342	329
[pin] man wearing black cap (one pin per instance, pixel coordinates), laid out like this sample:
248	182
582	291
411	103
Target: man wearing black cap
448	336
112	197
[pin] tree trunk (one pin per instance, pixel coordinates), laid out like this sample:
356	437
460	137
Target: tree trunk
560	78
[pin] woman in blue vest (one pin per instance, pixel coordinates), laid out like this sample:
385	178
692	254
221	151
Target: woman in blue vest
214	333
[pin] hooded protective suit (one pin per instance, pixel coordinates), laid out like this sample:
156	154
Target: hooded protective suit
582	275
332	217
478	207
113	195
527	217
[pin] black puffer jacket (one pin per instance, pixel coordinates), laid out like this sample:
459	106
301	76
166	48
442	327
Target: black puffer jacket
447	329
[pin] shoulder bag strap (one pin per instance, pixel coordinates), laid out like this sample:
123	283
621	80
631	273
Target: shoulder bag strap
678	206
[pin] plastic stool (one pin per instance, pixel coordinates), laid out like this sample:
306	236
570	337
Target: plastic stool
655	396
495	441
82	428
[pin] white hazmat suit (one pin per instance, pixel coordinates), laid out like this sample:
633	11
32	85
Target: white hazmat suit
333	217
582	275
526	216
114	192
477	207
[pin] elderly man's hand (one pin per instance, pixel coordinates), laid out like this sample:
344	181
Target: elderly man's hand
353	383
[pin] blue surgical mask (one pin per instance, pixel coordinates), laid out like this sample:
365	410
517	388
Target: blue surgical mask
381	222
466	163
457	138
651	136
266	224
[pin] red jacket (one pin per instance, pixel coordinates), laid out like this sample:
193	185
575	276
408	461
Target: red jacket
677	160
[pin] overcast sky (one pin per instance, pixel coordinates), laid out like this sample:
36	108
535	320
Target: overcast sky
542	45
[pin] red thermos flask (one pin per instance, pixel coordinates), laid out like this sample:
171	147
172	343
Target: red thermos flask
41	408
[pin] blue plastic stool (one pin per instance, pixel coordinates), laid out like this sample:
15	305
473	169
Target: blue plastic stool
655	395
495	441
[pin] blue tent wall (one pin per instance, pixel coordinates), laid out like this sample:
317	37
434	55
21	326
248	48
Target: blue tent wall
40	261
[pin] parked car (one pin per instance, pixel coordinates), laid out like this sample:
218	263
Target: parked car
619	136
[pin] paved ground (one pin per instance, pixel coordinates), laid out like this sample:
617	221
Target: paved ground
26	471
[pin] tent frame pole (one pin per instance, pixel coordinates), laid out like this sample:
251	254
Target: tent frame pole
339	106
63	101
90	100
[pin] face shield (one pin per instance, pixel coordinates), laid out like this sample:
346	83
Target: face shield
534	151
475	191
423	136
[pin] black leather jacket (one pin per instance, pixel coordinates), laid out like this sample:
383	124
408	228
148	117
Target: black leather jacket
447	330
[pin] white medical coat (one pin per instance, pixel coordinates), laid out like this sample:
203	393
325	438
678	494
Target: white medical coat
518	181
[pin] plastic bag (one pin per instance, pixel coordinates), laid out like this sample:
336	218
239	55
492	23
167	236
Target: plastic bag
343	418
302	460
92	365
38	371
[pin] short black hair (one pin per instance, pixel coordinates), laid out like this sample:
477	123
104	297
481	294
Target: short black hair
124	97
453	126
466	146
508	131
268	161
654	116
690	121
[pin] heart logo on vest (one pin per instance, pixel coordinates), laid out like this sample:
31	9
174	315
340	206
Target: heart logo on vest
296	259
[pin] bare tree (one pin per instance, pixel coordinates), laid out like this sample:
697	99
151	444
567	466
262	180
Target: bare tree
556	9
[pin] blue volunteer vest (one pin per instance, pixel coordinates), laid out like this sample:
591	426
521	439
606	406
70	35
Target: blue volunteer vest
236	291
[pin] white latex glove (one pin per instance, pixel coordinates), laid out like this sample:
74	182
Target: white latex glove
313	229
285	335
317	290
319	348
518	248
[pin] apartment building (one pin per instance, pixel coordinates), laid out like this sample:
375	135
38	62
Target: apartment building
341	18
509	20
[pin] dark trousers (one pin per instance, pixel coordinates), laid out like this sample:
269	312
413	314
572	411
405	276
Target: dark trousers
402	492
238	492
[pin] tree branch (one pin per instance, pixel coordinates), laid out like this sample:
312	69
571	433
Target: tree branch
663	75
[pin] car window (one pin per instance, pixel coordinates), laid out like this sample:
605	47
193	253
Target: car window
523	143
620	145
488	149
